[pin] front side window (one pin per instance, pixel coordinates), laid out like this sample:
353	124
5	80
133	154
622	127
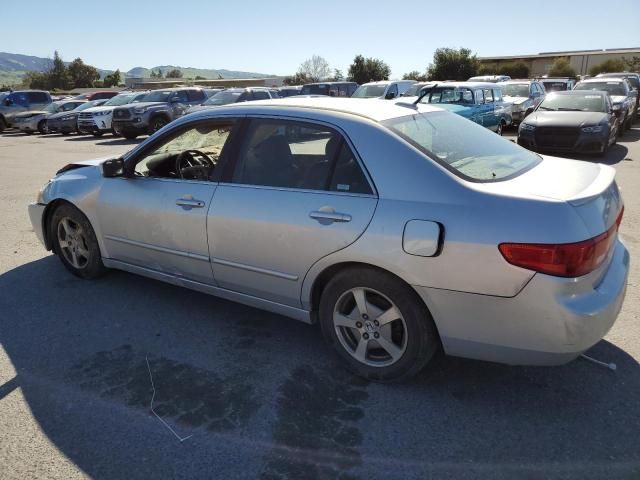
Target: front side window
289	154
196	95
488	96
466	149
479	97
191	154
260	95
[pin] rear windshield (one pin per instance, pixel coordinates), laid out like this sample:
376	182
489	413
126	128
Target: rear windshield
555	86
315	90
369	91
463	147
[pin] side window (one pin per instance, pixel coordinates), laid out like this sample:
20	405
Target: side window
394	90
287	154
196	95
190	154
488	96
497	95
479	97
260	95
19	98
69	106
181	95
246	96
37	97
347	175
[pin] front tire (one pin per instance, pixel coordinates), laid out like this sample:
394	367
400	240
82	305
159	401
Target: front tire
75	242
377	324
500	127
156	124
130	136
42	127
97	134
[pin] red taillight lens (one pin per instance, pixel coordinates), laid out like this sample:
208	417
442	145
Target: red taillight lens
565	259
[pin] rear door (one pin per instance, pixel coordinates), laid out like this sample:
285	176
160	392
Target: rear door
491	116
295	193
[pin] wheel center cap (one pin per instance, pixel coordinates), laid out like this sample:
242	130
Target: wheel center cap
369	326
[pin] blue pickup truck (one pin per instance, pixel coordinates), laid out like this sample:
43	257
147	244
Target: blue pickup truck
480	102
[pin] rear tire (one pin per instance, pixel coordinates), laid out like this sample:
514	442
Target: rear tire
97	134
500	128
392	340
75	243
42	127
130	136
3	124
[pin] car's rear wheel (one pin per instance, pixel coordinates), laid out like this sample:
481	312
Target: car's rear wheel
130	136
3	124
75	242
97	133
42	126
500	128
377	324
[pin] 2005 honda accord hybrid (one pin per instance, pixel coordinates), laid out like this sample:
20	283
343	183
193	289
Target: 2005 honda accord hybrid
400	228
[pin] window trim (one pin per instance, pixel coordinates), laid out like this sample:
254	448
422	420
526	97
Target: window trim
232	158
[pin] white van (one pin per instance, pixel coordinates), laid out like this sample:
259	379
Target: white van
386	89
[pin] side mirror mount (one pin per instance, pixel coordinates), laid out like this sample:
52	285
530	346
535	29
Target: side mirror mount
113	168
390	96
8	102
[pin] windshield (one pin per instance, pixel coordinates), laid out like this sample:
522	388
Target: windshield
515	89
612	88
448	95
555	86
584	103
369	91
465	148
314	90
158	96
223	98
52	108
92	103
119	100
414	89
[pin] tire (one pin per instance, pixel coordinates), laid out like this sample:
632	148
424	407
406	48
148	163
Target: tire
42	127
500	127
412	333
3	124
130	136
65	133
75	243
156	124
97	134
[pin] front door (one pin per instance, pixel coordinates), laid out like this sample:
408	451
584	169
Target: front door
157	216
296	193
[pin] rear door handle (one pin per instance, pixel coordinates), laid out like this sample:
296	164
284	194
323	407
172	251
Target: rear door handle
189	203
330	216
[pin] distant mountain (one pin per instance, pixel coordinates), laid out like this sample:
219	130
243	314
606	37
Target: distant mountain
13	67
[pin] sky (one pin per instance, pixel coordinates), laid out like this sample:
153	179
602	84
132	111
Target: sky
275	38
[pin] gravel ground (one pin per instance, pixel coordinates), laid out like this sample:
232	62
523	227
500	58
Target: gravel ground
261	395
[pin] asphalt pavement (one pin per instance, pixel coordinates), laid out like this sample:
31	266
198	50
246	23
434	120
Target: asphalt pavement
262	396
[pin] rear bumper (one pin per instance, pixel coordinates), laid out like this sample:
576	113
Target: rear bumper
36	214
550	322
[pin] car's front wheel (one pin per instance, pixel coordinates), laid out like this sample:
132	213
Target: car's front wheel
156	124
377	324
500	127
75	242
42	126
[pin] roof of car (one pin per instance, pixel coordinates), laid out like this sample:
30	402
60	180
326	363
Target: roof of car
388	82
517	80
470	84
599	80
611	74
373	109
580	92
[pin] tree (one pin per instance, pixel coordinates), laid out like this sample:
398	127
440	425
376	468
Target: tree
156	75
632	64
452	64
337	75
415	75
315	68
82	75
58	77
611	65
364	70
562	68
112	80
297	79
514	70
37	80
174	73
198	77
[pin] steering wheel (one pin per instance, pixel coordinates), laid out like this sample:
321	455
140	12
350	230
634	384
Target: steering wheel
192	158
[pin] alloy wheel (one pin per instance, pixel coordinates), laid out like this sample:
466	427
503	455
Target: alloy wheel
73	243
370	327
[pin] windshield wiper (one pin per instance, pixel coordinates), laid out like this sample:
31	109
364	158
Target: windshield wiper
547	108
569	109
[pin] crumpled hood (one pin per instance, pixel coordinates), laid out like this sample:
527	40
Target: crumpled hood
564	119
83	163
515	100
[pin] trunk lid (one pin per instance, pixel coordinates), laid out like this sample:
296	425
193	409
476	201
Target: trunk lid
590	188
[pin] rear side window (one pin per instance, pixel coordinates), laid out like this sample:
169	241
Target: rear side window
479	97
38	97
260	95
196	95
465	148
288	154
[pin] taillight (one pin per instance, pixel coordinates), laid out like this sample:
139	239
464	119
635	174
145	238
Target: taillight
564	259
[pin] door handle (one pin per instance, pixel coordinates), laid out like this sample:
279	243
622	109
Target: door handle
189	203
330	216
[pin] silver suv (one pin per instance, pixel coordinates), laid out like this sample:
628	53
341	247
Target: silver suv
158	109
21	101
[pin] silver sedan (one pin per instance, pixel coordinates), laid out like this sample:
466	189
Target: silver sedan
401	229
